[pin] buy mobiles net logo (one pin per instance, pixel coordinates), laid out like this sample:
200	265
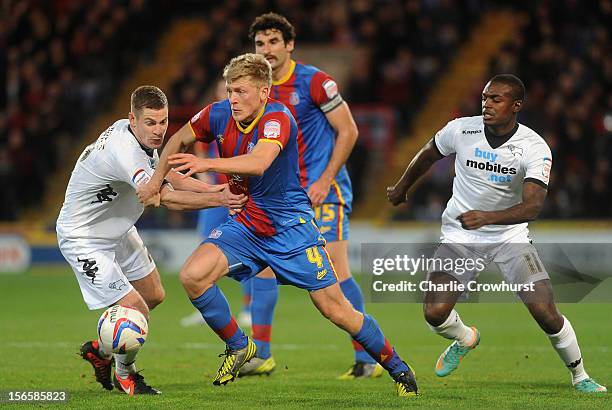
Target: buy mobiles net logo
491	166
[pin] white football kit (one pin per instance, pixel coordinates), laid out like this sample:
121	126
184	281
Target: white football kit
95	227
489	176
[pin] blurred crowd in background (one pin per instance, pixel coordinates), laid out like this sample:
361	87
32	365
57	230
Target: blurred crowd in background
64	60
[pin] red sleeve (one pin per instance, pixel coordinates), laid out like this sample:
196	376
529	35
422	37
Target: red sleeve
200	125
324	92
275	127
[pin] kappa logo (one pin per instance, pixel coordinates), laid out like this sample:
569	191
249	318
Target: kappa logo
117	285
105	194
331	88
575	364
89	268
294	98
514	150
215	233
468	132
272	129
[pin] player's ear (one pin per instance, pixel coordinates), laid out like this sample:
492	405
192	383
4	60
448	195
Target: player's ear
290	45
518	104
132	119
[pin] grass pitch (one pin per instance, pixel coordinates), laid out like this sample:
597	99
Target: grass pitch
43	320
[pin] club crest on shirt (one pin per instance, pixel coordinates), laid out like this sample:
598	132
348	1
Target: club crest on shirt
214	234
272	129
331	88
514	150
294	98
250	147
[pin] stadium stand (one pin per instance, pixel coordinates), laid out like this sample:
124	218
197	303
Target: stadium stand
65	59
63	62
563	56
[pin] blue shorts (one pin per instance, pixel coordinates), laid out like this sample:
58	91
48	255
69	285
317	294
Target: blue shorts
333	221
210	218
297	255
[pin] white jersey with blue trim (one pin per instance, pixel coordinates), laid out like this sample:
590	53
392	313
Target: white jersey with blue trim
101	201
490	172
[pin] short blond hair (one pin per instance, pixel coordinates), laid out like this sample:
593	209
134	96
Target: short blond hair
249	65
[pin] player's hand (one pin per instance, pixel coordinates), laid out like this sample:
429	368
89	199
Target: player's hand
396	195
189	163
154	201
146	192
318	191
233	202
473	219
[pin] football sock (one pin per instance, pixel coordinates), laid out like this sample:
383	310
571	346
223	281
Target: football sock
265	296
353	294
124	363
215	310
246	286
105	355
453	328
566	345
376	344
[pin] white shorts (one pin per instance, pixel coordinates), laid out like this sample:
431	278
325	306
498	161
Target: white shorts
515	256
105	269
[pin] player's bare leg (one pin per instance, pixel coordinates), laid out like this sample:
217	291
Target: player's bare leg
264	295
541	306
206	265
332	304
438	309
151	289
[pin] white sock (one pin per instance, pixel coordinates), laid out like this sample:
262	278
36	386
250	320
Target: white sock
103	352
566	345
124	364
453	328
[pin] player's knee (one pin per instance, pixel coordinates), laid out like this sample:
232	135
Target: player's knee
157	298
435	314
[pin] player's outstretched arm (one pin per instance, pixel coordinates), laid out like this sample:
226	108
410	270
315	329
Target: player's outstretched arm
178	142
252	164
528	210
341	120
180	183
419	165
188	200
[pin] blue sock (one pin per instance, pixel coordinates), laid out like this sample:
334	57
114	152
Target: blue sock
353	294
265	295
215	310
376	344
247	293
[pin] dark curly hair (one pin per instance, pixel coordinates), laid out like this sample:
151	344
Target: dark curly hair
272	21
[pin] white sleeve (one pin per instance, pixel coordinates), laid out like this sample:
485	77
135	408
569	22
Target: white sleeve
538	163
444	139
132	165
